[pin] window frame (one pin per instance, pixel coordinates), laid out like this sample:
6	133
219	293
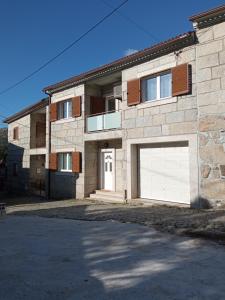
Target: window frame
68	162
158	86
61	109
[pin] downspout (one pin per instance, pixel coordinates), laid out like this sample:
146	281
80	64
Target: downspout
49	148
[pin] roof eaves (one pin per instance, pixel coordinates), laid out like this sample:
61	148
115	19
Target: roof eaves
27	110
157	50
210	17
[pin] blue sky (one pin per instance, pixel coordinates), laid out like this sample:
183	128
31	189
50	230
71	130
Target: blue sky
33	31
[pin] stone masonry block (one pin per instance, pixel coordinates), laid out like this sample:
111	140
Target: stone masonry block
158	119
222	57
211	123
209	48
204	74
218	72
152	131
205	35
209	86
179	128
175	117
144	121
191	115
135	133
208	61
219	30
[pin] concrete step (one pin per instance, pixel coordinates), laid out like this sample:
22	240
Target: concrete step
109	194
107	200
107	197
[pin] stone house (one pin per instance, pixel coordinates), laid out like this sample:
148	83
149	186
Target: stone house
150	125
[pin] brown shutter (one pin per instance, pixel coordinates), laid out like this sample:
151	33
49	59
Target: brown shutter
16	133
53	112
53	161
133	92
76	103
76	162
97	105
181	80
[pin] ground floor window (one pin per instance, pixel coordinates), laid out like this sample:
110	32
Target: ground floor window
65	162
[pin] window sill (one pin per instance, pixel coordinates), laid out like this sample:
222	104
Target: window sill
157	102
64	120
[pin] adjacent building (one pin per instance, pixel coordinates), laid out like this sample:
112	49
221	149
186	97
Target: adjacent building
150	125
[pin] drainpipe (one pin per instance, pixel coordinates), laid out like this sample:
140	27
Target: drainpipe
49	148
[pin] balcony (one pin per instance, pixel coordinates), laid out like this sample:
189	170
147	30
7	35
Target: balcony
104	121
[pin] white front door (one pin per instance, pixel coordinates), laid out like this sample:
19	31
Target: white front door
107	170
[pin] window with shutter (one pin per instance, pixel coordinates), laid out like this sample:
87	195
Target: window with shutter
53	112
76	103
181	80
76	162
16	133
53	161
133	92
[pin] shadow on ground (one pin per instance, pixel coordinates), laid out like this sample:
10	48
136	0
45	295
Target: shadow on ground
58	259
205	223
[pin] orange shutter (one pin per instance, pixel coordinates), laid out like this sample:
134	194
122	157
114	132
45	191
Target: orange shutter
53	112
76	103
97	105
53	161
181	80
76	162
133	92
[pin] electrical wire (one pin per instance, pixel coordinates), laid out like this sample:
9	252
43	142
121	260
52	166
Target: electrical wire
64	50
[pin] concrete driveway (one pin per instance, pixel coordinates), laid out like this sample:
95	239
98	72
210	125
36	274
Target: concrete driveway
43	258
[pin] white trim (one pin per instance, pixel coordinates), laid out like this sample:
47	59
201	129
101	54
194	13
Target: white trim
162	101
101	166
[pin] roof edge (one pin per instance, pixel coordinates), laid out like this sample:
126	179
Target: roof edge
154	51
27	110
210	17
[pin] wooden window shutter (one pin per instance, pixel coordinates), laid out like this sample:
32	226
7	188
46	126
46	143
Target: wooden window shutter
53	112
181	80
133	92
16	133
76	104
76	162
53	157
97	105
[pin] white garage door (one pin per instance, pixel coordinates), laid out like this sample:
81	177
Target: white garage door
164	173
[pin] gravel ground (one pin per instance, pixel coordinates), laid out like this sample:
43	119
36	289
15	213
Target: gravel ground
201	223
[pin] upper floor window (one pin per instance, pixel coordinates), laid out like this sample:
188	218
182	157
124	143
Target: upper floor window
65	109
16	133
65	162
157	87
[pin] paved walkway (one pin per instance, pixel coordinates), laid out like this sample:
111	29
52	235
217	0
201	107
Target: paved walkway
48	258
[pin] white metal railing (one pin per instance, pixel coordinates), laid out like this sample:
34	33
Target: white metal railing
104	121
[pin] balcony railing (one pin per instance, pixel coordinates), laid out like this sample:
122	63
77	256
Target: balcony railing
105	121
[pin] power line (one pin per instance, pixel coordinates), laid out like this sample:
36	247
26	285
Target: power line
64	50
140	27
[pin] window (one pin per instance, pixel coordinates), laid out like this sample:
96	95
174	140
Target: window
16	133
65	162
65	109
111	105
157	87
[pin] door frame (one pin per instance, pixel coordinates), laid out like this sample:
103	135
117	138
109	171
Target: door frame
101	167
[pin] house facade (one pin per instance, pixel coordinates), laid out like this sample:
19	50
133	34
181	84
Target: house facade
148	126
